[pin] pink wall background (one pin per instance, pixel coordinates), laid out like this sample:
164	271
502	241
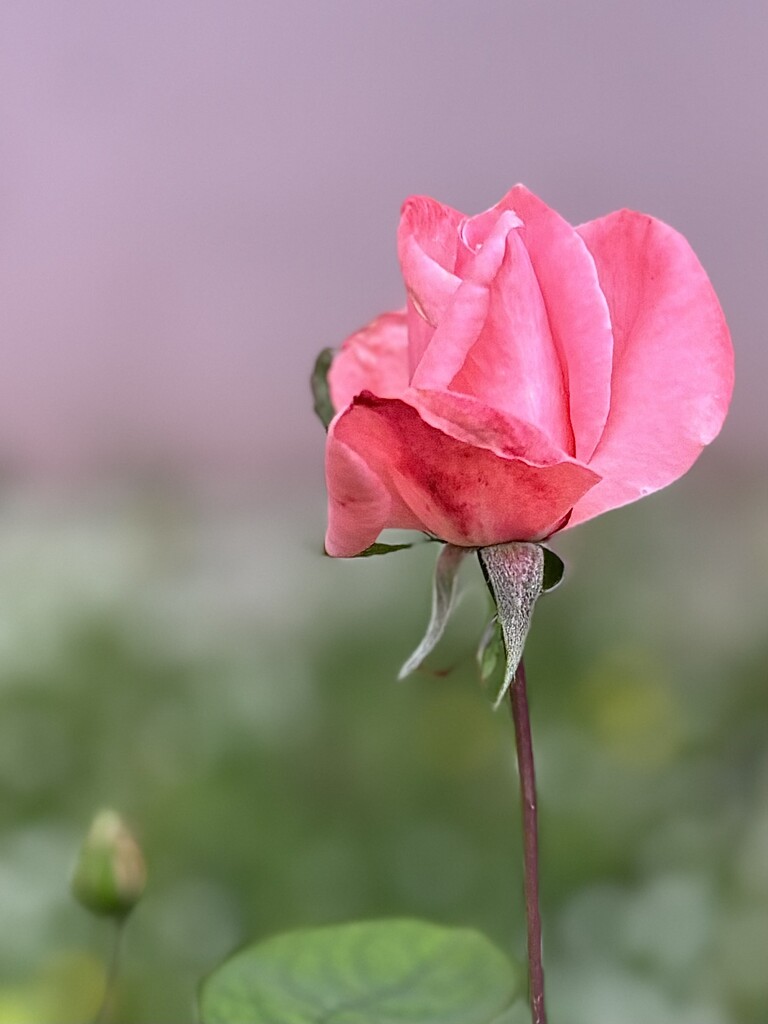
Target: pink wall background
196	197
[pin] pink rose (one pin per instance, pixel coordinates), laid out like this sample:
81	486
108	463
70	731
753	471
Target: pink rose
540	375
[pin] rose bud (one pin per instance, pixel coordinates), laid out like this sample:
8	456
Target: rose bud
110	874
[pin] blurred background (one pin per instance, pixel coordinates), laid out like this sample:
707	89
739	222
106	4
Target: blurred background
194	199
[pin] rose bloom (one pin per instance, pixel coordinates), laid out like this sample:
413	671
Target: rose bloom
539	375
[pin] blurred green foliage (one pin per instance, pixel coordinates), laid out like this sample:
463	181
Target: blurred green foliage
197	664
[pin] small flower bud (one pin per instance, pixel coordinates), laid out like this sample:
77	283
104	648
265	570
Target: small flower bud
110	874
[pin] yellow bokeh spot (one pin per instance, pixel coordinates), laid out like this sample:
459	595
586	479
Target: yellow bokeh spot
20	1005
633	711
68	990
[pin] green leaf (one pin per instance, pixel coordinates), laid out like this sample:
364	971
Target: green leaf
319	380
554	570
443	596
374	972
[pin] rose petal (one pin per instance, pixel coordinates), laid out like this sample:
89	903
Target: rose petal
577	312
372	359
464	317
461	493
469	419
513	364
420	333
450	343
427	242
673	362
475	231
359	504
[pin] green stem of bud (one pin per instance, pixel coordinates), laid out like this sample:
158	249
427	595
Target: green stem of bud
110	983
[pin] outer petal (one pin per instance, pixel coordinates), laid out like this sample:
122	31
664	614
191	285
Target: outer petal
373	359
457	491
469	419
359	504
673	361
577	312
427	243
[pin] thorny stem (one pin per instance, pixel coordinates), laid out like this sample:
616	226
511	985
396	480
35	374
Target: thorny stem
519	700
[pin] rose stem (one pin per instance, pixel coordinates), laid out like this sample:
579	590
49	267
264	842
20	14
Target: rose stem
519	700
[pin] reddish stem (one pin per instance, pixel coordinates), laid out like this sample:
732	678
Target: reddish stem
519	700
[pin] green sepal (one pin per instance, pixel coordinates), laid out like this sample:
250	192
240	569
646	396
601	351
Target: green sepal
517	574
443	600
382	549
320	391
514	573
490	652
554	570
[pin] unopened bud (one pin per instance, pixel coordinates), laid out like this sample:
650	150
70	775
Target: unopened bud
110	874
